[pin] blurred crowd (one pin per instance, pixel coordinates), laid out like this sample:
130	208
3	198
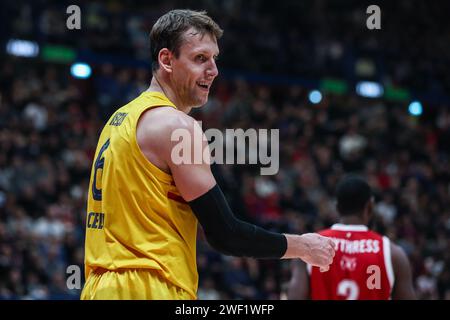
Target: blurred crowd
50	122
302	38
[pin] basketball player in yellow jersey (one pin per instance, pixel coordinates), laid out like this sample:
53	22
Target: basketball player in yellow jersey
143	209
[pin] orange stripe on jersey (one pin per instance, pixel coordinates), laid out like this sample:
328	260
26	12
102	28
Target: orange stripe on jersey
176	197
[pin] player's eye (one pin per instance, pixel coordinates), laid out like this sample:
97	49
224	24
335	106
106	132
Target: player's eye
201	58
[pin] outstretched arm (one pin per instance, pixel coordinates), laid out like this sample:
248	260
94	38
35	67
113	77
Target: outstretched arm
223	230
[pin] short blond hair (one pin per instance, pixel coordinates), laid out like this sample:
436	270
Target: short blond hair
168	31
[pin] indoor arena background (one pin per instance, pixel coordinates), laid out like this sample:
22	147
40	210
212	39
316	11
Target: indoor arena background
290	65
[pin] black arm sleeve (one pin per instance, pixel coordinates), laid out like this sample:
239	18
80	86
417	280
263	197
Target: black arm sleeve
231	236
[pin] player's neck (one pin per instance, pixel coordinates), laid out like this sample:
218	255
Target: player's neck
162	87
352	220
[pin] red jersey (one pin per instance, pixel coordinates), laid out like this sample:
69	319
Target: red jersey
361	269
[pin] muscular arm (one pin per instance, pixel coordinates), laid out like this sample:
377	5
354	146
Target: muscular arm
197	186
299	285
403	286
154	135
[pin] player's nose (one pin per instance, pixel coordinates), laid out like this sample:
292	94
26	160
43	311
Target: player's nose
212	71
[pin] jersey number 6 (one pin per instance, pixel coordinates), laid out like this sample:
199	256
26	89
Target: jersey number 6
99	163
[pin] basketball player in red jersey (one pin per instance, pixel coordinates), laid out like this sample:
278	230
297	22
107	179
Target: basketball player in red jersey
367	265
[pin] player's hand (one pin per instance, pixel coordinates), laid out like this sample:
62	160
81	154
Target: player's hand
317	250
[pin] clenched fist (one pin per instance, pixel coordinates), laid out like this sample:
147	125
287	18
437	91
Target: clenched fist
312	248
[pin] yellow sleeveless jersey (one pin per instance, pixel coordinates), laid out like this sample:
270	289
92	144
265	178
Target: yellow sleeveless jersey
136	217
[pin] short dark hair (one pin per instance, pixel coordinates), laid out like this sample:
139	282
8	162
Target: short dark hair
352	193
168	30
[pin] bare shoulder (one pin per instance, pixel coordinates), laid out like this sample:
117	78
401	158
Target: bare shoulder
154	133
157	125
164	119
397	252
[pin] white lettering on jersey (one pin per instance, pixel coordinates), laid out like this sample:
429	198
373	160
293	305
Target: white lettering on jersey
357	246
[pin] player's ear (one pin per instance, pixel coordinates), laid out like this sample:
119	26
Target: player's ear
165	59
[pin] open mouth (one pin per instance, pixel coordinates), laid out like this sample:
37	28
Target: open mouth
203	85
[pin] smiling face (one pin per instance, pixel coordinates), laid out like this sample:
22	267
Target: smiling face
194	68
